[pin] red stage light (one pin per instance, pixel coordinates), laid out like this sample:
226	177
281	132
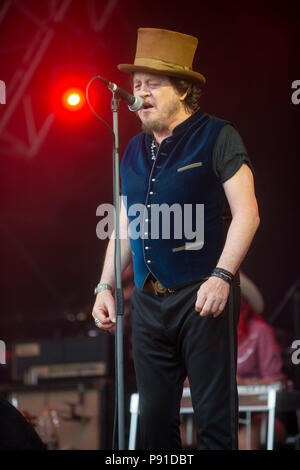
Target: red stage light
68	99
73	99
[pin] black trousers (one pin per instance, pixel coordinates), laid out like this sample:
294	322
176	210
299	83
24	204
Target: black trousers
171	341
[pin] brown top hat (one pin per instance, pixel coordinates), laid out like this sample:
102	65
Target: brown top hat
165	52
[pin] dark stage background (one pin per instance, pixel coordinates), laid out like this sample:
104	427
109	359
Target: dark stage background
50	256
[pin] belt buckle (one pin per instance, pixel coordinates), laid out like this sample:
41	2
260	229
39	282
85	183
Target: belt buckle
158	287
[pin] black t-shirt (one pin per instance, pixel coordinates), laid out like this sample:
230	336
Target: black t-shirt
228	156
229	153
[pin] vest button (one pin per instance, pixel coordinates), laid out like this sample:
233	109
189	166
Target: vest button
151	192
153	179
148	205
146	247
148	261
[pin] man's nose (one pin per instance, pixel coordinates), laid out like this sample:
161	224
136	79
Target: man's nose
143	91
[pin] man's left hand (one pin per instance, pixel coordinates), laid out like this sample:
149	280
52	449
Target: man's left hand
212	297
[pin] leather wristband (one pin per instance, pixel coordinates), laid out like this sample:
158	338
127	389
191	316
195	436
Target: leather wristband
221	276
102	286
224	271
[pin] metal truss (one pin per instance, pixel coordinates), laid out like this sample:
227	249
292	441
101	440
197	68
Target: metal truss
16	90
98	22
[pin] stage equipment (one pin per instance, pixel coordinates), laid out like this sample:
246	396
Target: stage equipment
72	357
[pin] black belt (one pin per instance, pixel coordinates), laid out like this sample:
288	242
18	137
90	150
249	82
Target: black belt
153	286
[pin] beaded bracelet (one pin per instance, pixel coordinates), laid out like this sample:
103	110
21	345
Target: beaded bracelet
102	286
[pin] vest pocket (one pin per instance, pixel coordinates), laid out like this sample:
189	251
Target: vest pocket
189	246
187	167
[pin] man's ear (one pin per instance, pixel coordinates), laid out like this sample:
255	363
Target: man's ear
183	97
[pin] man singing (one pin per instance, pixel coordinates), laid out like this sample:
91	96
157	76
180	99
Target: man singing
186	300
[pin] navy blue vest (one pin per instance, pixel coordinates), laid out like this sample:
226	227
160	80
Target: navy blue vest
182	174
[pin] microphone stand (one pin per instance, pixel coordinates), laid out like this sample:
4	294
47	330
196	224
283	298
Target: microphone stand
118	282
119	358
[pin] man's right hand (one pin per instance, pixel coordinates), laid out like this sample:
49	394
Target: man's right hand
104	310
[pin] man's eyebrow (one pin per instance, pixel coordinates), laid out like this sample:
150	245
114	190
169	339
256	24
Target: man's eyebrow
138	81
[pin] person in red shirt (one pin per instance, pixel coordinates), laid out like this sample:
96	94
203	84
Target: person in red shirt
259	361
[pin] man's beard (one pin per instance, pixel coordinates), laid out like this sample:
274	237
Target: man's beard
153	126
158	125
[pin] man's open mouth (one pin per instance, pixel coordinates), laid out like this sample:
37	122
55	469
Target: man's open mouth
147	106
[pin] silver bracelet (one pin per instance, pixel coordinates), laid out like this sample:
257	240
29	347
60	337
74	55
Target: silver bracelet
102	286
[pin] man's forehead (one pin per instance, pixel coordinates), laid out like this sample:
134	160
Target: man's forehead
144	76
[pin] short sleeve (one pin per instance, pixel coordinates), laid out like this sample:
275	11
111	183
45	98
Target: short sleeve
229	153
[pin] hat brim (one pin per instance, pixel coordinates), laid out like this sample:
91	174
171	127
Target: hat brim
161	70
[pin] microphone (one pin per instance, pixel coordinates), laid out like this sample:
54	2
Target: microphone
135	103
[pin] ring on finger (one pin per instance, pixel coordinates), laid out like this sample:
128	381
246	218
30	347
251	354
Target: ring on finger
97	321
